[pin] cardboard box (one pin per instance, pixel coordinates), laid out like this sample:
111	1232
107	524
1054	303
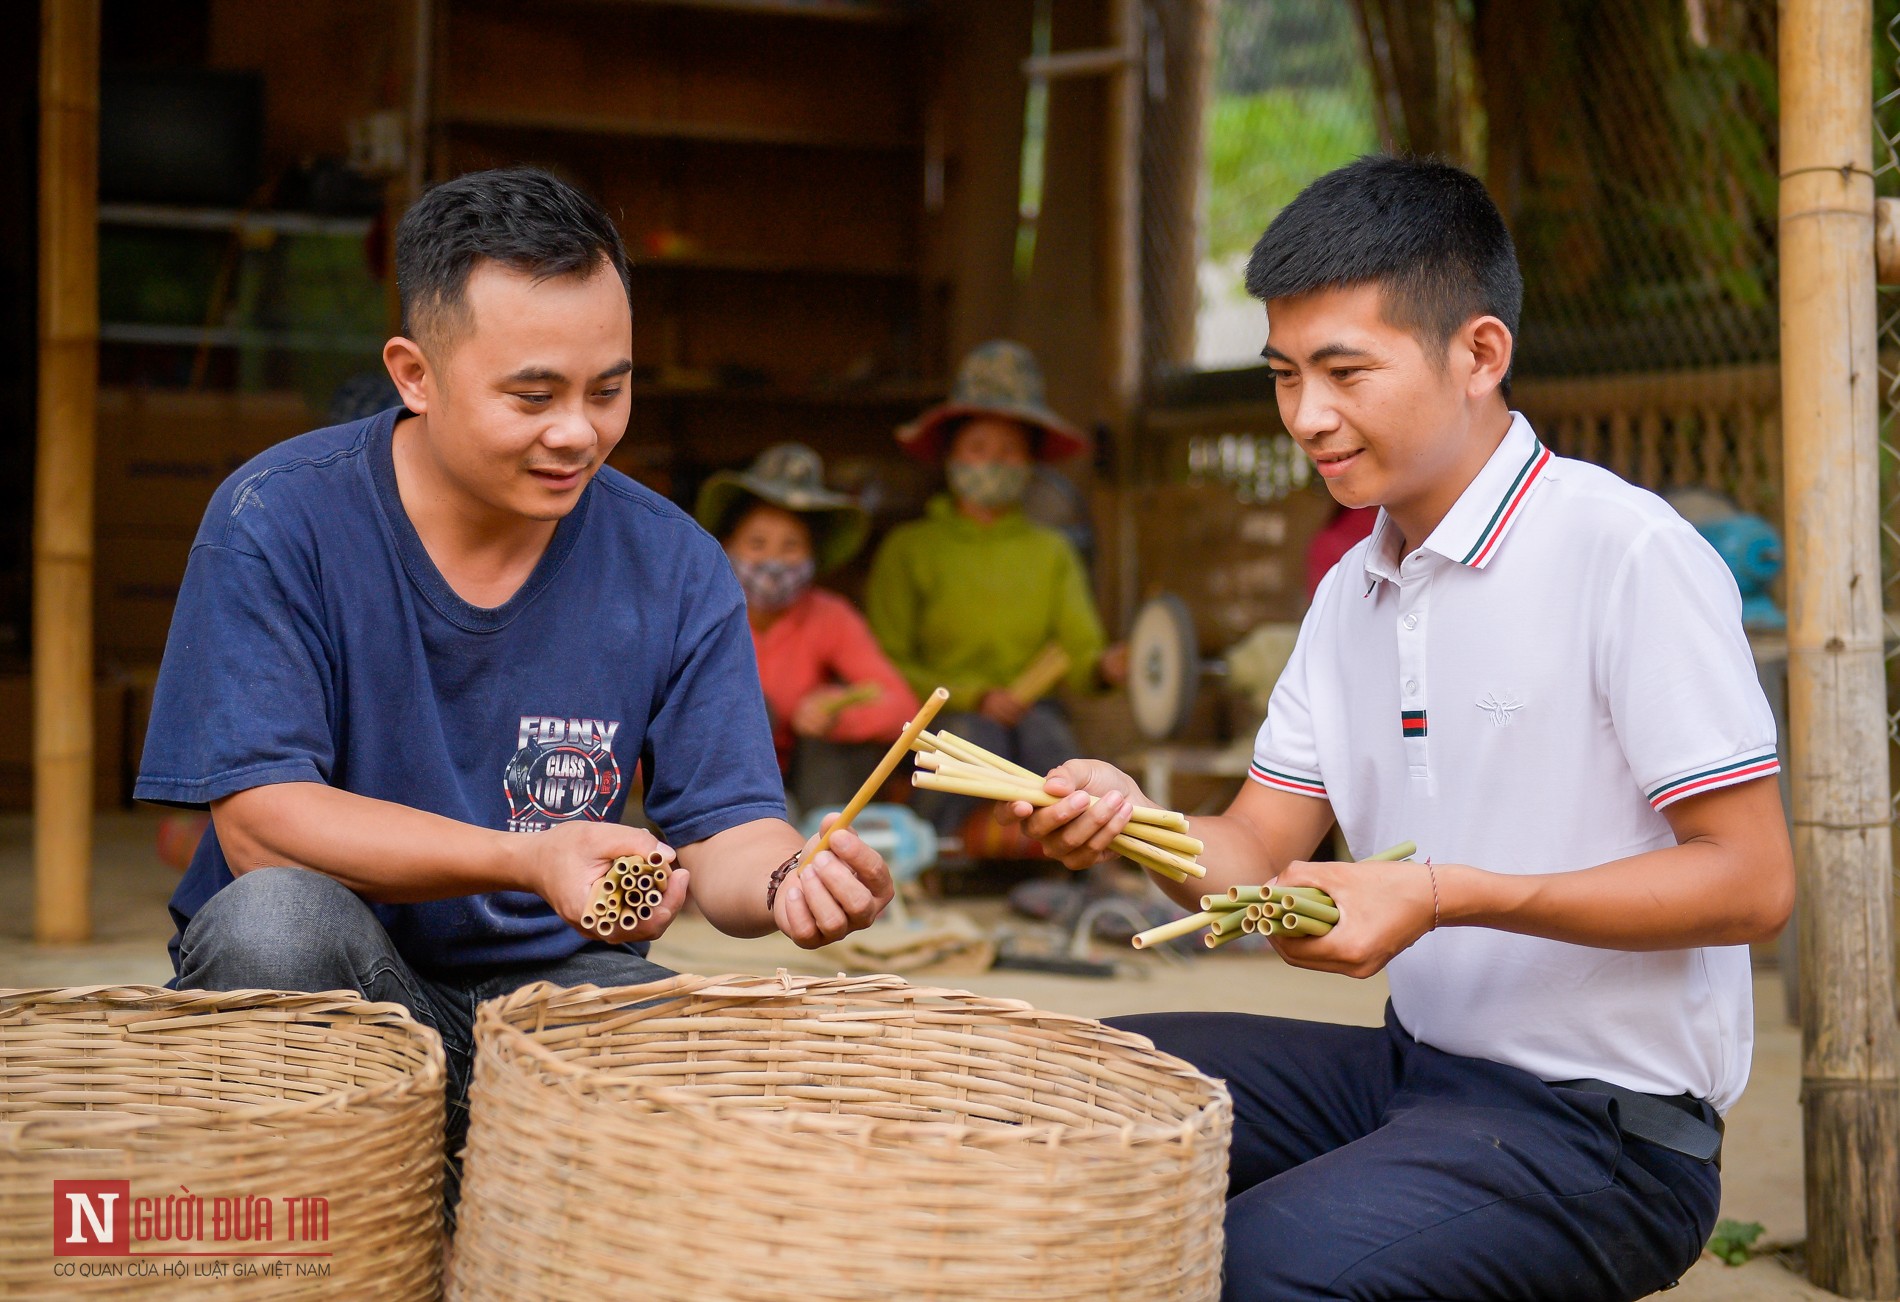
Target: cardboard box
163	453
134	587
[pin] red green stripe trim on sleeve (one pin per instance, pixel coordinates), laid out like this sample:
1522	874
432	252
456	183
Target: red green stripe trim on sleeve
1300	786
1723	775
1412	722
1513	498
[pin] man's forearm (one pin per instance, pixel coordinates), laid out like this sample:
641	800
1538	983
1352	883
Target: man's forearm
1681	897
731	870
385	852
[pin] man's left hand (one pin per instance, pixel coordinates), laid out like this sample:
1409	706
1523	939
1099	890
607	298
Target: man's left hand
842	890
1383	909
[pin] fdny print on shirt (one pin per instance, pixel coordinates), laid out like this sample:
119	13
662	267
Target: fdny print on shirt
562	768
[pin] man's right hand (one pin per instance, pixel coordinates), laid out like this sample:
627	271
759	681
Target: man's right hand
1074	831
1000	705
564	863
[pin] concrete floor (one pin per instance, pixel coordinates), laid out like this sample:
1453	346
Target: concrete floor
1762	1164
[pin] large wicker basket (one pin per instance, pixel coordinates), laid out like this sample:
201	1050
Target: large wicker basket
798	1140
240	1096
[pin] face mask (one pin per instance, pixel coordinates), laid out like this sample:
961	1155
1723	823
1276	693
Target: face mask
773	585
988	484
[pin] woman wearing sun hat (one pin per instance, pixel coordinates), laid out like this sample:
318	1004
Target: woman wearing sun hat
974	592
836	701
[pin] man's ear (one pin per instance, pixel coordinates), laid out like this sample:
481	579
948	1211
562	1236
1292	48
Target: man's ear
411	373
1489	342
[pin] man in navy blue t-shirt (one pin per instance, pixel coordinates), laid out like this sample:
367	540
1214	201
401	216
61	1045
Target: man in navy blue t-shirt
403	642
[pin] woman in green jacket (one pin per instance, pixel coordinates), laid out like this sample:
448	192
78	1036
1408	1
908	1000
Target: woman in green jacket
970	595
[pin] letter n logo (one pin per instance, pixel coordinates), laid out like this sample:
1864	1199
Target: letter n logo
92	1218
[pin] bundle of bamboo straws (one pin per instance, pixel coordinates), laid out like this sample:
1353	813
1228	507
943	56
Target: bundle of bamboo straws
1269	910
628	894
1155	839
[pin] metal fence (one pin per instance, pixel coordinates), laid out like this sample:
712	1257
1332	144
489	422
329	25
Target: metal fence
1886	126
1630	142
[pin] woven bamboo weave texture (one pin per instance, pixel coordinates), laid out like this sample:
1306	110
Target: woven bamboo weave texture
247	1093
751	1139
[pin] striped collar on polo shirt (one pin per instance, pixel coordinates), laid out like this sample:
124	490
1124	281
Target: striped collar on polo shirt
1473	529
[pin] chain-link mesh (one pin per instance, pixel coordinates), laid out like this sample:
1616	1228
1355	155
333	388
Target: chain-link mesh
1887	183
1631	144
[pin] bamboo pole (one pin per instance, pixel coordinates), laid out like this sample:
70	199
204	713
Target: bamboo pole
1836	686
62	489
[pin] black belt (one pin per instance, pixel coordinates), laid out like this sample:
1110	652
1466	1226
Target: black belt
1677	1122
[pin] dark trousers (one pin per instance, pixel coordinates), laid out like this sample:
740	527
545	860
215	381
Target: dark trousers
1041	740
1369	1166
293	929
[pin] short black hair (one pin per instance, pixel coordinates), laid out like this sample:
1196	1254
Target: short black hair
521	217
1424	231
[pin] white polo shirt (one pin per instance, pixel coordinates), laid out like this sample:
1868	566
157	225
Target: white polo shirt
1561	660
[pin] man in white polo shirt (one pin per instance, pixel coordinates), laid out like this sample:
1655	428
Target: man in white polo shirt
1537	672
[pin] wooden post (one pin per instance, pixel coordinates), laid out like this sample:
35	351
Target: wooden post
62	489
1121	283
1836	687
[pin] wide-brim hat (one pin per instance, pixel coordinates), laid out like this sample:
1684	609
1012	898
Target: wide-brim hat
998	378
790	476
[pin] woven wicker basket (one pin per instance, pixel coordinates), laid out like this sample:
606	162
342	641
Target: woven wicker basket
798	1140
243	1095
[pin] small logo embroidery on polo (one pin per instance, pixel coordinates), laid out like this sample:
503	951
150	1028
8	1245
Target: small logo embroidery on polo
1501	711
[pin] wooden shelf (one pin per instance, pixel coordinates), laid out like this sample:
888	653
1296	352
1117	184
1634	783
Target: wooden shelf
890	13
769	395
601	124
177	336
762	264
166	217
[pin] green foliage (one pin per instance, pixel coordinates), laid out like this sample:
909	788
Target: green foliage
1734	1241
1264	147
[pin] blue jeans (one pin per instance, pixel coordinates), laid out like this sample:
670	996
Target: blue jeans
293	929
1366	1165
1040	741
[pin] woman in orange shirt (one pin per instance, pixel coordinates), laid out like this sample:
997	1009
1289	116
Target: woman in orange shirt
836	700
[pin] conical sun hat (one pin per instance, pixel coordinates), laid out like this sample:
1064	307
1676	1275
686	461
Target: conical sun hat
998	378
790	476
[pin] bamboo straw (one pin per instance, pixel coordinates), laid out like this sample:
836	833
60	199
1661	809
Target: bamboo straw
990	787
660	876
652	899
1215	939
1311	909
1169	930
643	912
898	750
1219	903
1246	894
971	753
1298	924
1152	857
1041	674
1227	921
854	695
1167	839
1249	924
657	859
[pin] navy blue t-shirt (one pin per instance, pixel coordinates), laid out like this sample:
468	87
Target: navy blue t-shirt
315	641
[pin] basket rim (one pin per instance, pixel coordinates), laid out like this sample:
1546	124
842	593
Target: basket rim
168	1007
507	1044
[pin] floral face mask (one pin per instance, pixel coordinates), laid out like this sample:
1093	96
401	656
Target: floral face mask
992	485
773	585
